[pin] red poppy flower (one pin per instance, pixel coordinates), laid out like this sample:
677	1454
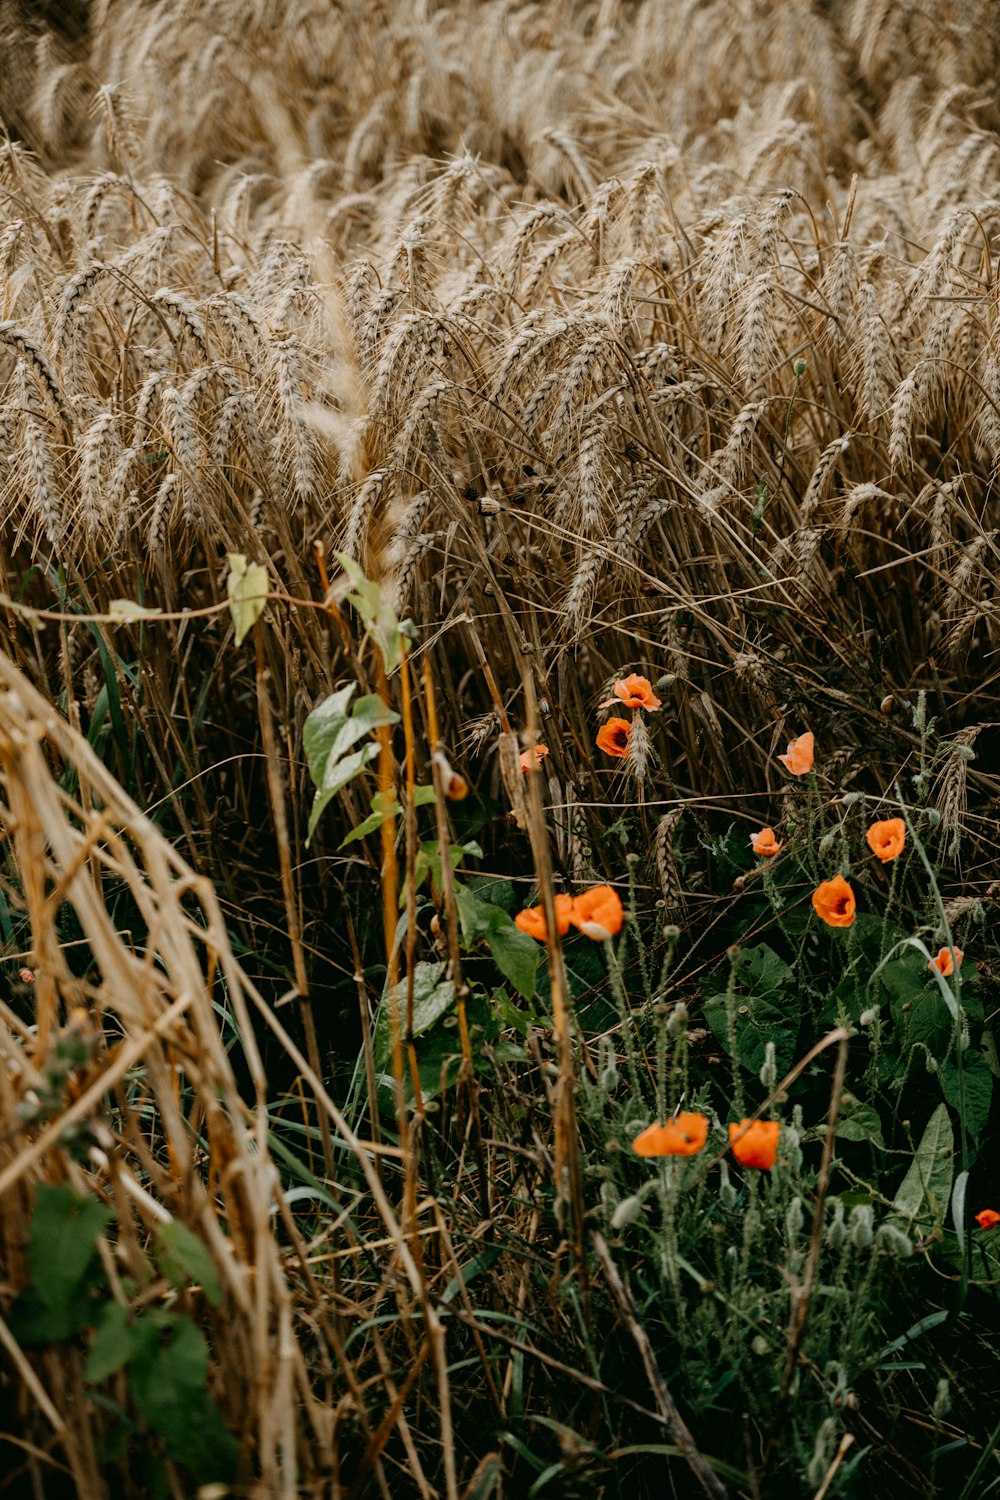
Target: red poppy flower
636	692
987	1218
944	962
758	1147
598	913
684	1136
798	758
532	759
765	842
613	737
532	919
886	839
835	902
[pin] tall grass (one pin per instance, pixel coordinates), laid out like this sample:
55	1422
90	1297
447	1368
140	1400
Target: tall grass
606	337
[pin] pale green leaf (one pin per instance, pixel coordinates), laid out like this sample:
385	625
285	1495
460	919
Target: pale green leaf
346	770
433	997
375	610
926	1188
247	587
128	609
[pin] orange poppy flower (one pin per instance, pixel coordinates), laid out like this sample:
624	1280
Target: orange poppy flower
944	963
986	1218
886	839
532	759
637	692
532	919
598	913
613	737
759	1146
798	758
684	1136
765	842
835	902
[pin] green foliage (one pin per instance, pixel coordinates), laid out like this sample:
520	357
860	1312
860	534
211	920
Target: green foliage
766	1009
925	1190
247	587
168	1377
371	603
183	1258
513	951
330	731
164	1353
63	1263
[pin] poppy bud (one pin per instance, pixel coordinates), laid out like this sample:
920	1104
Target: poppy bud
862	1226
627	1212
454	786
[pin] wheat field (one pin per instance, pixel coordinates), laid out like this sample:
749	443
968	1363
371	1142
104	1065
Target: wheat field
653	336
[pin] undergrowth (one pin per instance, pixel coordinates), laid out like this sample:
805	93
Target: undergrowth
640	357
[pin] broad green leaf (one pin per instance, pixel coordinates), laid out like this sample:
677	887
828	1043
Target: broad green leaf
428	862
64	1231
858	1122
346	771
321	726
515	954
113	1343
184	1258
169	1380
368	714
926	1188
329	733
769	1010
433	997
476	917
493	889
976	1085
247	587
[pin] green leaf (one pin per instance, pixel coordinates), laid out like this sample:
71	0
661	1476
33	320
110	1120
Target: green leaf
329	733
769	1010
247	588
113	1343
64	1231
977	1086
858	1122
476	917
375	610
926	1188
515	954
385	805
433	997
493	889
368	714
169	1381
321	726
184	1258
